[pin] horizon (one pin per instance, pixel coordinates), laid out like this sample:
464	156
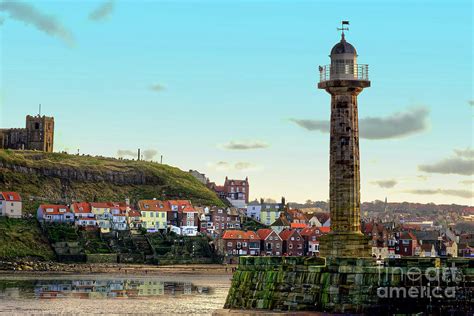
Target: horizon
232	87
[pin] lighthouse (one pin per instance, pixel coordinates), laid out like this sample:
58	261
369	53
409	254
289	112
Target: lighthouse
344	79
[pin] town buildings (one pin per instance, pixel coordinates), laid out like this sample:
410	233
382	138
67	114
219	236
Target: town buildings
271	243
270	212
10	204
238	243
49	213
37	135
293	243
235	191
154	214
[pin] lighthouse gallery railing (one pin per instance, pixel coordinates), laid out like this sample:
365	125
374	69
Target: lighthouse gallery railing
344	72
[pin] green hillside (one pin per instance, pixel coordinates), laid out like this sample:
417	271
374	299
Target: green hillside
23	238
57	177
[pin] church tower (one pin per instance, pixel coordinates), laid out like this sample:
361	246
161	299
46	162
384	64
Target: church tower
344	79
40	133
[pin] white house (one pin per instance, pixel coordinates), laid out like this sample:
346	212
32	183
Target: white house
10	204
253	210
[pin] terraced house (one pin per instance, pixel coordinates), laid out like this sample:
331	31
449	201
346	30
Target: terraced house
49	213
270	212
102	215
154	214
237	243
83	216
10	204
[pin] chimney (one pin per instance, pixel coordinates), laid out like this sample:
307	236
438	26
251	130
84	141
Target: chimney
261	201
283	201
138	154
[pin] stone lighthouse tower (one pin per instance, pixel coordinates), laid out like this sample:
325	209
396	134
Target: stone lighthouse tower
344	79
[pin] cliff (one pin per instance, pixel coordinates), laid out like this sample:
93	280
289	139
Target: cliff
56	177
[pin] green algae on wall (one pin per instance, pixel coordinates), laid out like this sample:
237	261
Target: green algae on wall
346	285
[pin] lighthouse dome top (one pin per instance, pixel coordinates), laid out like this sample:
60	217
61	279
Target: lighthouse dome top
343	47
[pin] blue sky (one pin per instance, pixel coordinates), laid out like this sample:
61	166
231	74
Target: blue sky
246	72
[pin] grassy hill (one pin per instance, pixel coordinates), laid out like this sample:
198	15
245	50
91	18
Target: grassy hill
57	177
23	238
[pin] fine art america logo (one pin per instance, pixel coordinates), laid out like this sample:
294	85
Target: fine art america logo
434	282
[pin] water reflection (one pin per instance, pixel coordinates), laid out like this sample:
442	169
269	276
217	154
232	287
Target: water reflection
97	289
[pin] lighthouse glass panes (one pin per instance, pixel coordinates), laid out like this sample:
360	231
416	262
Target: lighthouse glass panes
343	69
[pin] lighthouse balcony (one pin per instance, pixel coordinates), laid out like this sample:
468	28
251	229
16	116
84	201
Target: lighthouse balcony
344	72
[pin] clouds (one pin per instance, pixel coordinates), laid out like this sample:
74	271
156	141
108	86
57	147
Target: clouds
229	166
102	11
126	153
245	145
385	184
313	125
462	164
147	154
157	87
466	194
465	153
397	125
28	14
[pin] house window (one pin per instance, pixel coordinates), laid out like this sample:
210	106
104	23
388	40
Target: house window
239	245
229	244
277	246
292	238
244	244
290	246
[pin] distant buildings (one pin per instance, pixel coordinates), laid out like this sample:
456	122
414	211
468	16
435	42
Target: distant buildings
37	135
235	191
10	204
201	177
270	212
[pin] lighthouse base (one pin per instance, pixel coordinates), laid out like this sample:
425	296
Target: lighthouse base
340	245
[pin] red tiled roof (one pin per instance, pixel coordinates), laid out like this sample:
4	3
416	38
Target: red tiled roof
81	207
324	229
298	225
183	205
134	213
55	209
264	232
11	196
240	234
287	233
100	205
309	231
154	205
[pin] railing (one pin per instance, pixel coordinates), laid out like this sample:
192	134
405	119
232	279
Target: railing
347	72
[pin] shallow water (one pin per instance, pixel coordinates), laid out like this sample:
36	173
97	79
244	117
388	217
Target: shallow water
112	294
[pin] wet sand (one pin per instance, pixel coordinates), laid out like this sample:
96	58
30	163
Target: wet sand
130	269
192	304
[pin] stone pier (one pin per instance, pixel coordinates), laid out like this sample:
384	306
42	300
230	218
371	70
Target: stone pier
354	285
